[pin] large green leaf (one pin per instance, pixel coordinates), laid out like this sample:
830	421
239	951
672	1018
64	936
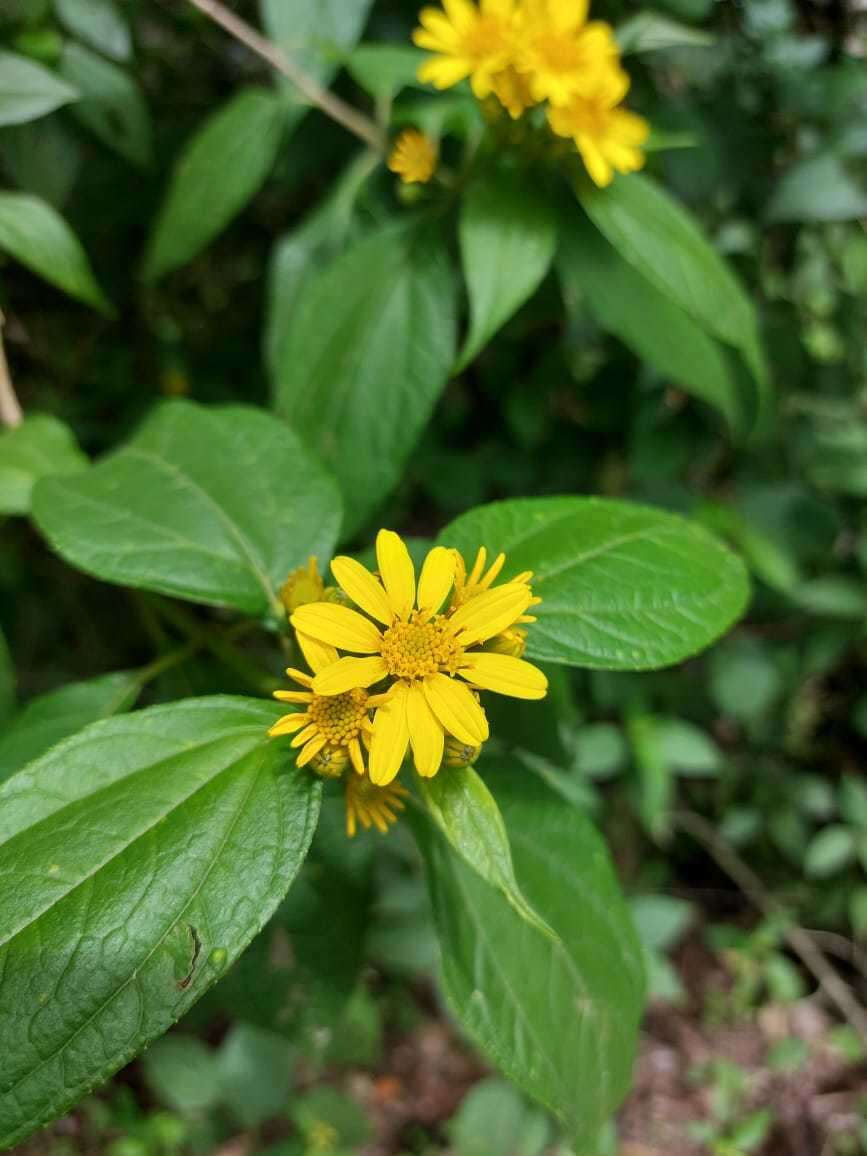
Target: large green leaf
37	236
508	233
315	36
218	172
559	1018
365	358
46	720
28	91
37	448
663	242
217	506
820	188
466	812
138	859
111	106
624	587
622	301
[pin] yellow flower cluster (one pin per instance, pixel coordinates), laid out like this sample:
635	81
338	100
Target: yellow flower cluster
532	52
419	650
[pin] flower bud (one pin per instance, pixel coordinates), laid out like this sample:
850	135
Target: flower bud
331	762
512	642
303	585
458	754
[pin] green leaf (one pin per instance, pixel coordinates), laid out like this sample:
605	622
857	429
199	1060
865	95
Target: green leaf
744	679
112	106
37	236
213	505
686	748
43	158
624	302
315	36
255	1073
39	447
650	32
561	1018
508	234
51	717
28	91
467	814
495	1118
829	851
365	358
819	188
140	858
383	70
655	779
624	587
296	256
659	238
98	23
660	920
219	171
183	1073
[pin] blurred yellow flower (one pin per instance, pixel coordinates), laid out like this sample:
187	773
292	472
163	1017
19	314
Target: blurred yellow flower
468	41
561	52
414	157
372	806
433	658
609	138
303	585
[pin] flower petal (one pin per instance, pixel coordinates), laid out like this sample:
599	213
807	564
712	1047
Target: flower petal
365	591
356	756
437	579
349	673
318	654
425	733
390	739
337	625
289	724
490	613
454	705
309	732
293	695
311	750
505	675
397	572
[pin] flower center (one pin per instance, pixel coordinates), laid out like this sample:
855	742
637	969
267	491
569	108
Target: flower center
339	717
559	53
415	649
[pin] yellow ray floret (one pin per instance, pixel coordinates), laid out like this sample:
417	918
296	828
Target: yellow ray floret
372	806
608	137
468	41
429	649
413	157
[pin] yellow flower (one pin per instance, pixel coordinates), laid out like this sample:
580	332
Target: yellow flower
608	137
414	157
460	754
479	580
469	41
560	51
432	658
330	730
372	806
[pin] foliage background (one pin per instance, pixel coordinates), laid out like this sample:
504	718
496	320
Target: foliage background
764	738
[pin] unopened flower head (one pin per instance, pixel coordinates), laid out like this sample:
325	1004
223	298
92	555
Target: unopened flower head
421	638
303	585
372	806
414	157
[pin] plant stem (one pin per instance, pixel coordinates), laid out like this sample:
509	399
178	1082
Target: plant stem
339	111
800	941
10	408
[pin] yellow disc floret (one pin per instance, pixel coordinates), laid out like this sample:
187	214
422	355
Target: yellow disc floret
416	649
339	717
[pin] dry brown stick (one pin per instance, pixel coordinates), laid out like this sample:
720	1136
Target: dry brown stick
331	105
10	408
800	941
